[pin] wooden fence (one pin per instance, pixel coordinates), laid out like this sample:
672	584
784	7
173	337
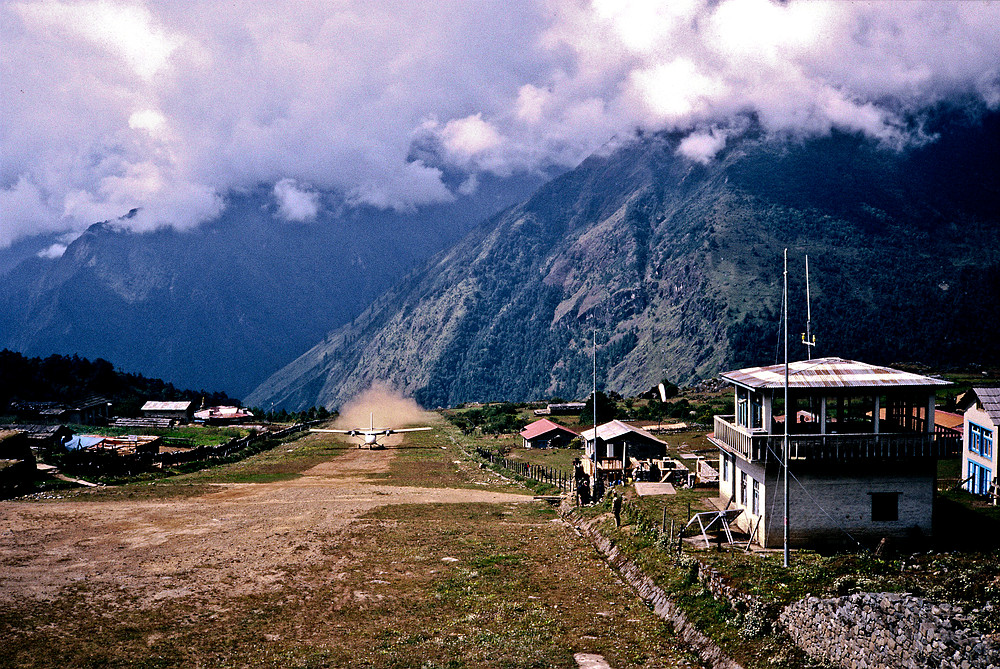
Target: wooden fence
87	461
227	449
539	473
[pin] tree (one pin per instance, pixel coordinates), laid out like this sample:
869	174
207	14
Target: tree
606	410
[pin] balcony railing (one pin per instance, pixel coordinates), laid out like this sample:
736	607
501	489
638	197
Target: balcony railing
756	445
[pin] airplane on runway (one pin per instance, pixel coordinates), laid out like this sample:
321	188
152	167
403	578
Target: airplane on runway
370	436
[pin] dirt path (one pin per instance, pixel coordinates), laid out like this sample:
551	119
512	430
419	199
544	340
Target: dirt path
237	539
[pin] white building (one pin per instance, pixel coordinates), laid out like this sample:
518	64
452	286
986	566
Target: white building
179	411
862	452
980	438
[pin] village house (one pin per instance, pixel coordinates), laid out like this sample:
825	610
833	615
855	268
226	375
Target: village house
181	412
565	408
862	452
42	437
545	433
979	439
92	410
17	462
620	451
223	416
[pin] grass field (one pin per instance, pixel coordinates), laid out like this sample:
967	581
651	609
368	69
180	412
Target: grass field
198	435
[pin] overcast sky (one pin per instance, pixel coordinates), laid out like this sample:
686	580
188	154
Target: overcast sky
174	106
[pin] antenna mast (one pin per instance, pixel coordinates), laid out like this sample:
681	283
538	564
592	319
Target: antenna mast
788	417
808	338
593	469
595	394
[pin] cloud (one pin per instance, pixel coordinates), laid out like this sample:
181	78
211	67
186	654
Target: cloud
110	105
23	210
53	251
468	137
127	31
701	146
295	203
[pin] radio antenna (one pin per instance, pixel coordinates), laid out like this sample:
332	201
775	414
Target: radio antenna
808	338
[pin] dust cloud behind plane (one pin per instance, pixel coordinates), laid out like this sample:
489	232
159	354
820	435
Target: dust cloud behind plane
391	409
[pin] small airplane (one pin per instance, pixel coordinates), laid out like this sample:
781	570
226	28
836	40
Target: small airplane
370	436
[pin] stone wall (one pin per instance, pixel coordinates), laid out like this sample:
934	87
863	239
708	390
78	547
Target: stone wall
655	597
888	631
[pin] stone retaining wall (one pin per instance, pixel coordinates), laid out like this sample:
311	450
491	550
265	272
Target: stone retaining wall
888	631
706	649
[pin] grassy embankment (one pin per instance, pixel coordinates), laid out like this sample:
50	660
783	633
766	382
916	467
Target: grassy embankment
970	578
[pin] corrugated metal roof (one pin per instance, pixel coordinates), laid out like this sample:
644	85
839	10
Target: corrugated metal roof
165	406
540	427
616	428
828	373
990	399
948	419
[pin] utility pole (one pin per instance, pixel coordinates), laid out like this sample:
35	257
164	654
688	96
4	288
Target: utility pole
593	478
788	417
595	391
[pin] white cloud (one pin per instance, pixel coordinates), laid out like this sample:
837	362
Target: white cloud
464	138
52	251
126	30
109	105
295	203
675	91
23	211
701	146
147	119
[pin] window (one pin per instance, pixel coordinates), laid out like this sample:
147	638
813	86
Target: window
725	467
611	450
980	440
979	479
885	506
743	488
756	498
742	412
756	411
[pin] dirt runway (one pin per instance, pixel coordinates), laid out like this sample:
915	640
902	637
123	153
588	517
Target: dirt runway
235	539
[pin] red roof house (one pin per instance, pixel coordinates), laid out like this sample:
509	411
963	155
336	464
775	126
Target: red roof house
545	433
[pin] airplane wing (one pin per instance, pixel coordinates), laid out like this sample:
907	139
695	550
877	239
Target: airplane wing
350	432
408	429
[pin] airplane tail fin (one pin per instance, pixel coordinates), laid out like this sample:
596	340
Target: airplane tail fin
373	421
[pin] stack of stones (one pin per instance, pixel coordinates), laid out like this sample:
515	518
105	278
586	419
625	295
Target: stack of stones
888	631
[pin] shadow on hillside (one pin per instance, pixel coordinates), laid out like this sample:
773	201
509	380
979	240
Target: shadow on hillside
965	522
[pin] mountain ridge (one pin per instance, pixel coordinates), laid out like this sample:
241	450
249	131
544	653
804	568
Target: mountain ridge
227	303
677	265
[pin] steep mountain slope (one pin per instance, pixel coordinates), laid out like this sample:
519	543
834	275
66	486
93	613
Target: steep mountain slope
677	265
226	304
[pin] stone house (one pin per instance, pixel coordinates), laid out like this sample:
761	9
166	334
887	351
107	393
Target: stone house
862	452
181	412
